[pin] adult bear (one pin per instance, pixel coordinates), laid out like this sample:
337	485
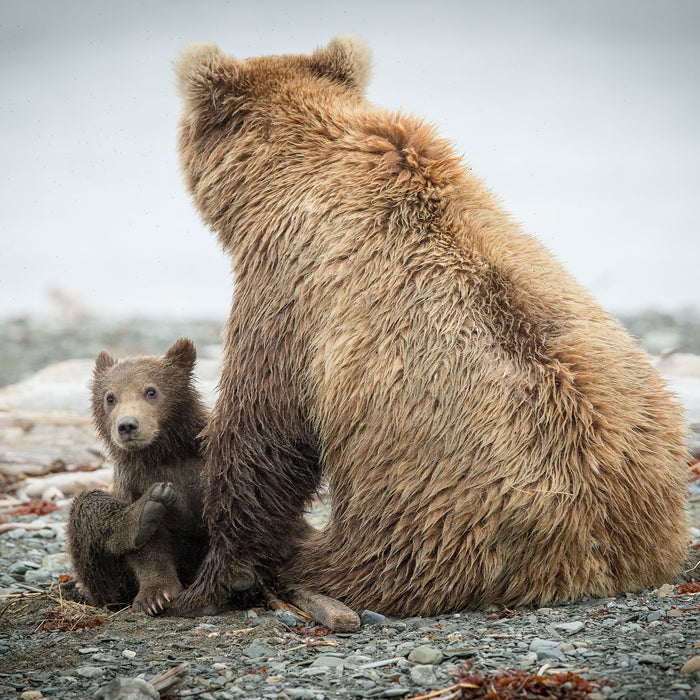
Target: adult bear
489	433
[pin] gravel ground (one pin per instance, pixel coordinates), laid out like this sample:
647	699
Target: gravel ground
631	646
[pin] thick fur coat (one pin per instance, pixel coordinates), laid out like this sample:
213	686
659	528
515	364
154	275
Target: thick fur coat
489	433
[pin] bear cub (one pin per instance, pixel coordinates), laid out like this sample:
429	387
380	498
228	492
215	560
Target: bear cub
143	542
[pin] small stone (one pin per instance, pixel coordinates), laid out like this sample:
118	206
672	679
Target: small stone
128	653
545	648
88	650
19	568
256	650
46	533
89	672
251	614
288	618
372	618
692	665
570	627
332	662
650	659
527	660
37	576
423	675
426	655
31	695
664	590
127	689
655	615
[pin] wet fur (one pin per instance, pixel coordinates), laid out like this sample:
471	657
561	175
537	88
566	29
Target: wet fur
144	540
489	433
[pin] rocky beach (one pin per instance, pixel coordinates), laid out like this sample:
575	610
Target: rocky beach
638	645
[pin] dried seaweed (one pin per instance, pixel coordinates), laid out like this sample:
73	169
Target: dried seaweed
686	588
509	685
35	507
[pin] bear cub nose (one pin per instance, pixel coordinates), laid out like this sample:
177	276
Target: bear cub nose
128	427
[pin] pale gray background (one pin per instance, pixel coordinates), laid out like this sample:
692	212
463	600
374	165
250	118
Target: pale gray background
583	116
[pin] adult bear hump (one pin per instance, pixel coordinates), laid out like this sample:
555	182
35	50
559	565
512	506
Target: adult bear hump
490	435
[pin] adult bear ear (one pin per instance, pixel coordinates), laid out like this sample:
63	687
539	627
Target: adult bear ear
347	59
205	75
182	354
103	362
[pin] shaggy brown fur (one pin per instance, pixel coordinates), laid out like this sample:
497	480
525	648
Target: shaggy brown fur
146	538
489	433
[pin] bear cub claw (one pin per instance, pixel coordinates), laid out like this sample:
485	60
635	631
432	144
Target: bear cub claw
159	497
155	599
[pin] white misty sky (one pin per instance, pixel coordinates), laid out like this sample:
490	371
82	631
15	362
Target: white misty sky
583	117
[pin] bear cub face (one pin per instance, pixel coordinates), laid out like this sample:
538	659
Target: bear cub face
135	401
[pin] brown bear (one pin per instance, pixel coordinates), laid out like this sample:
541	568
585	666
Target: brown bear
490	434
140	543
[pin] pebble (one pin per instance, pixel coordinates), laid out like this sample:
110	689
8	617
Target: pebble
426	655
127	689
650	659
332	662
570	627
372	618
423	676
40	575
288	618
89	671
256	650
31	695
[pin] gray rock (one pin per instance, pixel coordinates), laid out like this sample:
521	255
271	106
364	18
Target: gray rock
372	618
527	660
650	659
288	618
89	671
332	662
19	568
655	615
546	649
127	689
423	676
34	576
426	655
570	627
256	650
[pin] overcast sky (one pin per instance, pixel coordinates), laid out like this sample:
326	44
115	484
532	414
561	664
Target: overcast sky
583	117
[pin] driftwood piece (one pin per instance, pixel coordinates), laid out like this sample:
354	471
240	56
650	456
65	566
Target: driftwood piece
274	603
328	611
167	681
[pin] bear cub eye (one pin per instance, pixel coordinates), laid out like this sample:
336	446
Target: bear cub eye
110	399
150	393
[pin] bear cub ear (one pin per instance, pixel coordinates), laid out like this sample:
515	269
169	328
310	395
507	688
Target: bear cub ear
103	362
346	59
182	354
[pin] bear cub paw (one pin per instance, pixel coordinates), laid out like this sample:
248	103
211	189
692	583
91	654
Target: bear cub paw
154	599
156	502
